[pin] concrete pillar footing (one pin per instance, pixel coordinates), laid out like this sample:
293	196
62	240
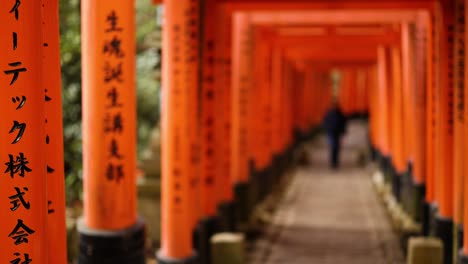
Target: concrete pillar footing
422	250
228	248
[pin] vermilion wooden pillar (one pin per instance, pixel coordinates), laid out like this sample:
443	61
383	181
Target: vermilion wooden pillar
397	154
241	98
56	227
458	118
375	115
23	184
287	126
277	118
110	225
262	99
258	136
444	96
222	121
385	128
430	197
176	203
418	102
408	88
276	100
464	251
343	92
193	111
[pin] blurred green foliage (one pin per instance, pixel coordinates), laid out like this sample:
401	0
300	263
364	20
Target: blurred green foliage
148	62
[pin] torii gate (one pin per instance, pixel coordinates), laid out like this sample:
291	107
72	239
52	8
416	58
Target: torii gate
224	51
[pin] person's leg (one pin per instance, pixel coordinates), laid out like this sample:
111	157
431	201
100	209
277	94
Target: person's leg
337	153
334	159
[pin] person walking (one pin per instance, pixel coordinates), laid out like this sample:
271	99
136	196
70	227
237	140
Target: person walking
334	125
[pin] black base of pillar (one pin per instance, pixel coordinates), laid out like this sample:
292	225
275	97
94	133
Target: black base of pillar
262	185
243	202
112	247
277	168
374	152
227	217
253	186
462	258
265	182
444	231
189	260
419	196
433	213
406	189
206	228
384	167
426	219
396	185
460	239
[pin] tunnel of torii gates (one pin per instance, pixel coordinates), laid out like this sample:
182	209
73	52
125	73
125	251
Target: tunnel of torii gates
243	84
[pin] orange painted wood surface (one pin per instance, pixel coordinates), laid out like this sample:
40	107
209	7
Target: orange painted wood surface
419	101
408	87
193	109
430	113
241	97
223	103
23	235
109	110
465	133
211	181
56	226
445	131
397	153
459	111
176	203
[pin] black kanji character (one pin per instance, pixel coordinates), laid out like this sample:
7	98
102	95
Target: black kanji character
19	100
15	40
15	72
18	166
50	210
21	127
113	96
47	98
18	199
18	260
113	73
50	169
209	180
15	9
113	48
20	233
114	124
113	20
114	150
114	172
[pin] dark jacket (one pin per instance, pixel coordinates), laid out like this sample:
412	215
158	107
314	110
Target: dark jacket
334	122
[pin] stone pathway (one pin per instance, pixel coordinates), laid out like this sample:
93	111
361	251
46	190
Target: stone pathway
330	217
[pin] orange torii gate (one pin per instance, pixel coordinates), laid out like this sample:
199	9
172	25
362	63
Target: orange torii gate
110	230
223	57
